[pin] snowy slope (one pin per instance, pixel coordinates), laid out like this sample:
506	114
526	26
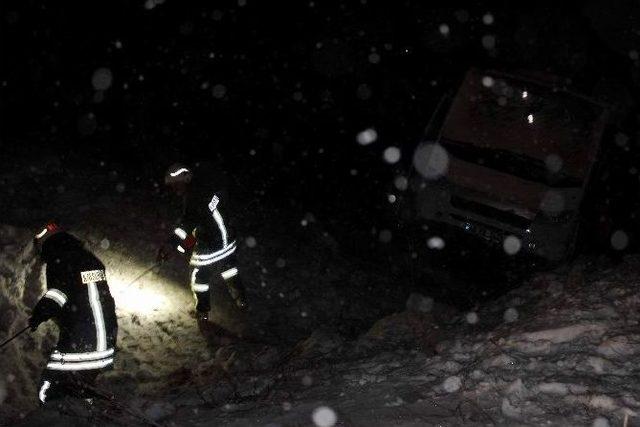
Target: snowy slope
560	350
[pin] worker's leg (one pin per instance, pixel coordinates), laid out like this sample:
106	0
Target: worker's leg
200	284
234	285
53	385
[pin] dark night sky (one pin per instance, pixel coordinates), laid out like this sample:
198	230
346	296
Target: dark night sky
277	94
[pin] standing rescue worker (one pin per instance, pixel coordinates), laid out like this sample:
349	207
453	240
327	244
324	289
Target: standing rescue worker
79	301
206	235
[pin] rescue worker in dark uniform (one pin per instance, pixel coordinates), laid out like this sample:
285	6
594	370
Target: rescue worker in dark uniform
79	301
207	236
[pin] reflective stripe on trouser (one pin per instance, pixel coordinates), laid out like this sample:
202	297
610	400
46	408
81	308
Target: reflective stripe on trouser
204	277
57	384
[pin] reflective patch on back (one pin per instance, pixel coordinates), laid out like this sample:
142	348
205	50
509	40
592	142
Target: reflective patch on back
213	204
93	276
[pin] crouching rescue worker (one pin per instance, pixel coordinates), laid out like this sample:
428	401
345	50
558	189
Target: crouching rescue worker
79	301
206	235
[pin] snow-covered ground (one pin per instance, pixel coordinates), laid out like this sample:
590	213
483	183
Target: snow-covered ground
559	350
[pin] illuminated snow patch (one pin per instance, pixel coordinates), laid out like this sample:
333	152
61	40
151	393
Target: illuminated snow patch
511	245
136	298
367	136
431	160
392	155
324	416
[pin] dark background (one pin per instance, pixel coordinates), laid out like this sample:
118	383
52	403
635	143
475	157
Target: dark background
270	96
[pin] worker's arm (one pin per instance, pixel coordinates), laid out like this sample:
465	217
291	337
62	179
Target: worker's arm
56	297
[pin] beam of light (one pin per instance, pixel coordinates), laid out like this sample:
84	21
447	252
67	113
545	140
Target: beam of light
138	299
142	297
179	172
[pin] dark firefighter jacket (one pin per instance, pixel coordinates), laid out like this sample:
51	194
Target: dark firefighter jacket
79	301
203	227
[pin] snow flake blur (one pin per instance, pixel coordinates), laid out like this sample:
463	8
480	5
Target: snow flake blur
436	242
251	242
324	416
431	160
472	318
511	245
101	79
619	240
392	155
367	136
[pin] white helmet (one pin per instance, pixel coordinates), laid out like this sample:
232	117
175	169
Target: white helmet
178	173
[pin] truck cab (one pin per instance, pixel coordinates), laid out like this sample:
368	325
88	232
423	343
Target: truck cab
510	160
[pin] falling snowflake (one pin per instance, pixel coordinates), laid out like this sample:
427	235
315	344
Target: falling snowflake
104	244
530	119
489	42
401	183
102	79
392	155
619	240
553	162
552	202
452	384
487	81
444	29
601	422
472	318
511	245
281	263
374	58
431	160
219	91
510	315
391	198
120	187
487	19
367	136
436	242
251	242
385	236
324	416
